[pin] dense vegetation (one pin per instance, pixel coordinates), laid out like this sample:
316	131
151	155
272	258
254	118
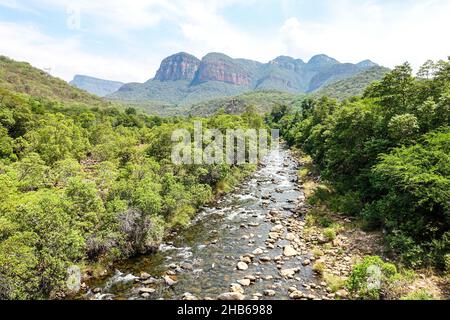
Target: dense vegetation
387	157
262	101
81	184
352	86
22	77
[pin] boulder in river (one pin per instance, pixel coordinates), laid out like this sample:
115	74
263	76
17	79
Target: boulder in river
235	287
242	266
189	297
258	251
169	281
146	290
296	295
144	276
231	296
269	293
244	282
289	251
288	273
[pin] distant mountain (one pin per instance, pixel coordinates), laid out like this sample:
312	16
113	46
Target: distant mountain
23	78
96	86
184	79
354	85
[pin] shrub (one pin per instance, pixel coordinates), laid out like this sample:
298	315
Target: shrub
418	295
329	234
335	283
319	267
317	253
369	278
447	263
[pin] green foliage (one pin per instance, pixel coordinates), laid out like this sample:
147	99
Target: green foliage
368	278
22	77
353	86
330	234
80	185
418	295
386	156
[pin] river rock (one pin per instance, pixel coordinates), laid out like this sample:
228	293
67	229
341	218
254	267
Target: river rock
187	266
235	287
242	266
144	276
146	290
277	229
274	235
290	237
246	259
251	278
296	295
258	251
288	273
189	297
169	281
289	251
244	282
150	280
269	293
306	262
265	259
231	296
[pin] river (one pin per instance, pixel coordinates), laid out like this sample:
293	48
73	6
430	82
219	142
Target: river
203	259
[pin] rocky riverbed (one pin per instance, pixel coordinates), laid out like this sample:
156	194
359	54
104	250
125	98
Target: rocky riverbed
251	245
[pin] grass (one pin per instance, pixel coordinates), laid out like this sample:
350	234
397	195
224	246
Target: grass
335	283
319	268
418	295
317	253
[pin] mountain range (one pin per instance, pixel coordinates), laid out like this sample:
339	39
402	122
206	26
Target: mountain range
184	79
96	86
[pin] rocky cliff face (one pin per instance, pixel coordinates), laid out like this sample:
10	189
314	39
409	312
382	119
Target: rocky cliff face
181	66
219	67
182	78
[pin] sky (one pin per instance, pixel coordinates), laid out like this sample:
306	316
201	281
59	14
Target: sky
126	40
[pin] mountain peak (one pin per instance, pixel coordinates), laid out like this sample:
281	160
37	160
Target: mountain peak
322	60
180	66
367	64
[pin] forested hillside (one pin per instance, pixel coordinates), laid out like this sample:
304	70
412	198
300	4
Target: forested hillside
22	77
386	157
353	86
80	184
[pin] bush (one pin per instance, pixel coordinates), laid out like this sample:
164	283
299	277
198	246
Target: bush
370	277
447	263
329	234
319	267
418	295
335	283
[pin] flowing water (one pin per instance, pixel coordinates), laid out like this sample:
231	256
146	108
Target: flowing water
203	258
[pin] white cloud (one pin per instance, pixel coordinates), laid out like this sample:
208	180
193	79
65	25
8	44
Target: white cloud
65	57
388	33
205	30
384	33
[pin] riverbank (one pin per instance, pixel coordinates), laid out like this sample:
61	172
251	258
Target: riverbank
338	244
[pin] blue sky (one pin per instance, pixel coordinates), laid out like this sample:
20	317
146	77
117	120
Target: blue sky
126	40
